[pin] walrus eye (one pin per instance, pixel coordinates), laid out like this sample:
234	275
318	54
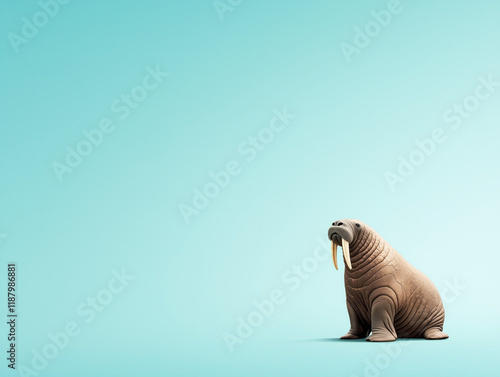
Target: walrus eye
358	226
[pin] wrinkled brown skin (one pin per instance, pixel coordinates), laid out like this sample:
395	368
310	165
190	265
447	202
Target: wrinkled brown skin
385	294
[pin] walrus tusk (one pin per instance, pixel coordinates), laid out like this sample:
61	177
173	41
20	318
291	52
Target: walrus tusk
345	250
334	254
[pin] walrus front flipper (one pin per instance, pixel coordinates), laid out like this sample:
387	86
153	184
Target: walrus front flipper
358	329
382	320
435	333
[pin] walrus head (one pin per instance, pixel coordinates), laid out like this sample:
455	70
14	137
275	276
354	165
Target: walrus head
343	232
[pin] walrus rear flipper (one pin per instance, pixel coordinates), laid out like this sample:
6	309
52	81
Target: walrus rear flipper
435	333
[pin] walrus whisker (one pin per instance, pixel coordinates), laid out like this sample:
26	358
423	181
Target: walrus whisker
345	250
334	254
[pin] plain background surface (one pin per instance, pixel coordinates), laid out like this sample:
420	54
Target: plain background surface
120	207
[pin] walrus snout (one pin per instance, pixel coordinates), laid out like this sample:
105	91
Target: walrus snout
336	238
341	233
342	230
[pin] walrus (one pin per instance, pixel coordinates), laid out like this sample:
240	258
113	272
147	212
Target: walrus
385	294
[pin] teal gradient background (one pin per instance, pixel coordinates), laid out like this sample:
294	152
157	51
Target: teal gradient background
119	209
